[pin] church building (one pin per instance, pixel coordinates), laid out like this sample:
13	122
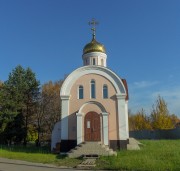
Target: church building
94	103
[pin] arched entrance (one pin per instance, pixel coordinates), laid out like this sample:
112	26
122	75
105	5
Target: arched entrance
86	134
92	128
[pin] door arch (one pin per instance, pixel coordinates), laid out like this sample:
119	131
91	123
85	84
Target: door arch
92	127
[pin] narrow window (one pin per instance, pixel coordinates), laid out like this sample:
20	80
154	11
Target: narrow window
94	61
105	91
81	92
93	89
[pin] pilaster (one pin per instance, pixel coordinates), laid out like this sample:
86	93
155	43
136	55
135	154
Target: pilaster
122	118
79	128
64	117
105	128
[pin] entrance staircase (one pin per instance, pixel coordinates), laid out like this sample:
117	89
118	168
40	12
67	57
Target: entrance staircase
90	149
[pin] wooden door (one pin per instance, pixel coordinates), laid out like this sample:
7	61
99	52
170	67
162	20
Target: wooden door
92	127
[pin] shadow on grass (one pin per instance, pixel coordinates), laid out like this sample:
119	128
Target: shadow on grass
26	149
60	156
64	160
64	156
44	155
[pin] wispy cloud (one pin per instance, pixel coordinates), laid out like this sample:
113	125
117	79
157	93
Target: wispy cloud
144	94
144	84
172	98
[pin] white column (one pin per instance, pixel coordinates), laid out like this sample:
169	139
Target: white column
122	118
64	117
105	128
127	122
79	128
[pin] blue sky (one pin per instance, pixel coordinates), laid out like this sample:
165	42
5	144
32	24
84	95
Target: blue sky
142	39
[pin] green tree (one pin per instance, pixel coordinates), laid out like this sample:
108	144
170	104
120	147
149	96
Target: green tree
160	116
19	94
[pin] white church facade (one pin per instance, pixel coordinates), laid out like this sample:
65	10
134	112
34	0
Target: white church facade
94	104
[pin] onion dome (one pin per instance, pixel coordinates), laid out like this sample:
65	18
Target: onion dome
94	46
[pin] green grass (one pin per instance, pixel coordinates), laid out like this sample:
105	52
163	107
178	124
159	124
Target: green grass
157	155
37	155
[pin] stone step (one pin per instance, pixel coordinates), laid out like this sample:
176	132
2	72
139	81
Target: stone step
133	144
90	151
133	147
91	148
86	149
74	155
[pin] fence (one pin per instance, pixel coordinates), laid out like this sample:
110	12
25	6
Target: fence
156	134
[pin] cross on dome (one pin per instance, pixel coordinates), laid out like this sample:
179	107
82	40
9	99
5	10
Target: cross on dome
93	23
94	46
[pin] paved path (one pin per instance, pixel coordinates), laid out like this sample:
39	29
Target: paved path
17	165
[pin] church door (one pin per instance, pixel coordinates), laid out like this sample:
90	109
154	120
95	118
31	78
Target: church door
92	127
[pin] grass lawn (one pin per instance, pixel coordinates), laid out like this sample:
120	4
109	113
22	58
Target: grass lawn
37	155
157	155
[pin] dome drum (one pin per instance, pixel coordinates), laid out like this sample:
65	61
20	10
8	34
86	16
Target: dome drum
94	58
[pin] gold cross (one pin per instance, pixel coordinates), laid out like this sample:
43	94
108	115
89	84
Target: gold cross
93	23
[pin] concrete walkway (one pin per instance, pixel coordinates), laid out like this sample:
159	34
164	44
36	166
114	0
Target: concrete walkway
18	165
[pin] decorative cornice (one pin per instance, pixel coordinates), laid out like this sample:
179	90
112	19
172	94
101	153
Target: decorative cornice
93	69
105	114
121	96
79	114
93	54
65	97
101	107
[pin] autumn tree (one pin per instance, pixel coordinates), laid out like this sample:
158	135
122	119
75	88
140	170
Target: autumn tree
174	119
139	121
49	111
1	83
18	97
160	117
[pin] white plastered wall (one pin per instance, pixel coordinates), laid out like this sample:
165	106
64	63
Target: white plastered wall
121	102
98	56
56	135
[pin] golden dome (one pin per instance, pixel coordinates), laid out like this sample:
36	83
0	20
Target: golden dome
94	46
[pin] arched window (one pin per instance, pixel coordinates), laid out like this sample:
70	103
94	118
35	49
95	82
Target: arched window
93	89
81	92
94	61
105	91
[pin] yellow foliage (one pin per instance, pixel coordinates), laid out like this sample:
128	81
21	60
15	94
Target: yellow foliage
139	121
161	119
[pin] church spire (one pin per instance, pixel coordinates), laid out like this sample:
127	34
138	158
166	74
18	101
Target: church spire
93	22
94	46
94	53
